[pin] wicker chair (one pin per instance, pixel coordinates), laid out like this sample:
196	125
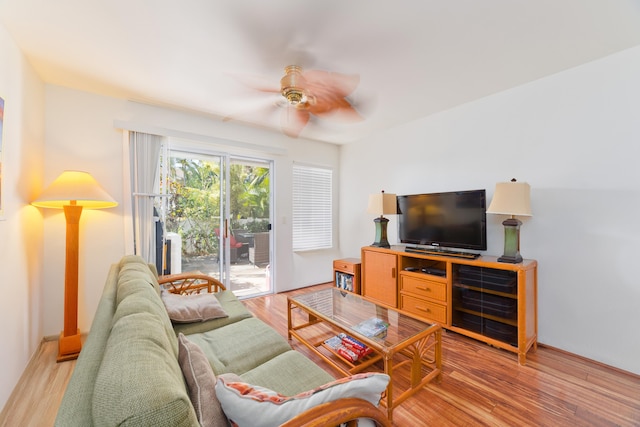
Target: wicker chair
259	253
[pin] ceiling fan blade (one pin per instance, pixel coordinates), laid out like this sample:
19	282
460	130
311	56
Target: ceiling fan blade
337	83
299	27
256	82
293	120
328	92
338	109
260	110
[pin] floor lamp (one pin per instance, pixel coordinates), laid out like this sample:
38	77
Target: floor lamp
72	191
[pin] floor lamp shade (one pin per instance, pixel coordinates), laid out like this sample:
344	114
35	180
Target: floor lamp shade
72	191
382	204
514	199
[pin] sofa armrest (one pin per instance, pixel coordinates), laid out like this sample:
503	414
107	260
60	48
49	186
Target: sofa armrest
190	283
340	411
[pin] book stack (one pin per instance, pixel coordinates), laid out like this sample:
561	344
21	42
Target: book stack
348	347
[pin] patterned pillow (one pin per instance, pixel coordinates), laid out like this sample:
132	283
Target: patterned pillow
253	406
192	308
201	382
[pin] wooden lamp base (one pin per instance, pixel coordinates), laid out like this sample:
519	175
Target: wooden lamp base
69	347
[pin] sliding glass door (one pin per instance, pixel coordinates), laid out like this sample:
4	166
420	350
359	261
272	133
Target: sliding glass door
219	215
248	226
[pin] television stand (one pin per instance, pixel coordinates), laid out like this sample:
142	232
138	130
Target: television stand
491	301
441	252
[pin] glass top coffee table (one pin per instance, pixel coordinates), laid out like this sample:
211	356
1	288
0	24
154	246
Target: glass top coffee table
336	324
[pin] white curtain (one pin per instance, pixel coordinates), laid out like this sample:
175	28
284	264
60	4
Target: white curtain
145	152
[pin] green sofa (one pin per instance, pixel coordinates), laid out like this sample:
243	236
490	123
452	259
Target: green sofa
128	371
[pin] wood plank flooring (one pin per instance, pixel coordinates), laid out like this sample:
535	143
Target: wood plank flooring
35	399
481	386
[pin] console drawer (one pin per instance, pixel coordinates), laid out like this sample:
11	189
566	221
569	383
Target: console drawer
430	310
347	265
423	287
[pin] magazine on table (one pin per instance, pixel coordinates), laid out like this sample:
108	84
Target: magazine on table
372	328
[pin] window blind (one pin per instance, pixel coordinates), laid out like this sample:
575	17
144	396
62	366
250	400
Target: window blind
312	208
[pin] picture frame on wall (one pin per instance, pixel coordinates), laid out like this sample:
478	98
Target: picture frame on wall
1	160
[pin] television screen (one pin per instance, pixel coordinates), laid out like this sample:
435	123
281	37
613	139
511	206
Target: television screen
454	219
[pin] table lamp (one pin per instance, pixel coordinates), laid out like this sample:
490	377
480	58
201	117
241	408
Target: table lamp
511	198
72	191
382	204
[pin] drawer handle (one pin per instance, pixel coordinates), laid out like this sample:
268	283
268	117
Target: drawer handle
426	310
423	289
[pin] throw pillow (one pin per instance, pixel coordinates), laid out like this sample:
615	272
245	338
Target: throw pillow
201	383
247	405
192	308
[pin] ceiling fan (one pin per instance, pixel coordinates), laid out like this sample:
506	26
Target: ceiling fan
313	93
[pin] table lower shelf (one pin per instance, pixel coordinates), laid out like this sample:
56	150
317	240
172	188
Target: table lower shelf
421	357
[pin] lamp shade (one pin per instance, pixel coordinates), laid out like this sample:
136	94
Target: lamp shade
75	188
511	198
382	204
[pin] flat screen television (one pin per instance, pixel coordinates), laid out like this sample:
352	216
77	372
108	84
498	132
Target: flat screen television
455	219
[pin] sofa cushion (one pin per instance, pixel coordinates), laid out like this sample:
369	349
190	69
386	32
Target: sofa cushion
241	346
192	308
140	382
234	308
288	373
201	383
134	267
135	296
241	401
130	282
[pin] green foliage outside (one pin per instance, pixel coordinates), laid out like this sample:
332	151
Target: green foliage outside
194	203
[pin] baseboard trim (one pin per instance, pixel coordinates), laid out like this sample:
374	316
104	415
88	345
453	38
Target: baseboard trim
577	356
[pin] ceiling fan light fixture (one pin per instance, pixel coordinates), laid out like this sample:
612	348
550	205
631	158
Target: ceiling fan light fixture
292	85
295	96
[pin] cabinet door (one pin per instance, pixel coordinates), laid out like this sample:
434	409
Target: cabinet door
379	277
485	301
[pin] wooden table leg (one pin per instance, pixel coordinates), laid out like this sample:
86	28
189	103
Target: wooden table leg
388	369
416	369
289	323
438	354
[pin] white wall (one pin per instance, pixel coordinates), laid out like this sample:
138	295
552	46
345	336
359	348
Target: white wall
80	134
21	228
575	137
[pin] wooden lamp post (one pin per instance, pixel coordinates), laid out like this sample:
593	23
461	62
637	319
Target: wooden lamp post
73	191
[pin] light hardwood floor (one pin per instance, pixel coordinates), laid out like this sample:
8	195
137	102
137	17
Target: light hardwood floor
481	385
35	399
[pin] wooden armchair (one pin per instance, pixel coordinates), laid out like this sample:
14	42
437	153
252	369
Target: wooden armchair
190	283
335	413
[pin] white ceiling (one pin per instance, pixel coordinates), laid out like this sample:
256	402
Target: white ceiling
414	57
